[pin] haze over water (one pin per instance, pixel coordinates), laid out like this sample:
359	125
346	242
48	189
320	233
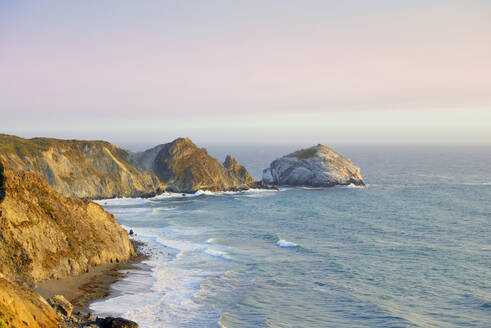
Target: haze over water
356	71
412	249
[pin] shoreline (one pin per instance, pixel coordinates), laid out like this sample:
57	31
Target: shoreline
83	289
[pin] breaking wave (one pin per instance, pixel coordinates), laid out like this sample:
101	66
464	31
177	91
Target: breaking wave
285	244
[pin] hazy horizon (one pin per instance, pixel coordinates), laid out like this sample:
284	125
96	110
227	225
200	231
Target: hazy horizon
354	72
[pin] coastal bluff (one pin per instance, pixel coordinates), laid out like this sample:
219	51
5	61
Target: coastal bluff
184	167
78	168
317	166
21	307
44	235
99	169
49	228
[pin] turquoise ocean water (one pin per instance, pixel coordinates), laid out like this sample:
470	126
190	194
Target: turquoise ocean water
412	249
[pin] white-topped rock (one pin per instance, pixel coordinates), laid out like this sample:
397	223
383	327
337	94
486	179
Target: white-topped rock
317	166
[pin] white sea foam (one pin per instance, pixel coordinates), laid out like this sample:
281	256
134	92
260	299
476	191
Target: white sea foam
130	210
170	195
179	244
124	201
210	240
136	292
476	183
205	192
352	185
247	192
167	293
284	244
180	230
217	253
311	188
157	210
128	201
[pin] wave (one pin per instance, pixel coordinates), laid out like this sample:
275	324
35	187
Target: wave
124	201
138	286
247	192
167	195
475	184
285	244
217	253
352	185
170	195
156	210
129	201
130	210
173	292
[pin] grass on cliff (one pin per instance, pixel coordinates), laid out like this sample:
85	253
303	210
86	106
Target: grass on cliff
12	144
304	153
72	149
4	322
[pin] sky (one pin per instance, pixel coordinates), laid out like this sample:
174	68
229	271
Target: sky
333	72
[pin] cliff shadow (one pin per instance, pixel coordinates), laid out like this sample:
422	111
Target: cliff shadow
2	183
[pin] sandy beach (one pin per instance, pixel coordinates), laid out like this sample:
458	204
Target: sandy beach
81	290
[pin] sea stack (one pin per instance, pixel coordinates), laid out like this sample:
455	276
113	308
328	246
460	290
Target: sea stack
317	166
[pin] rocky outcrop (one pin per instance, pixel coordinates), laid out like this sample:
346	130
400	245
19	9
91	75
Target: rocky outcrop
80	169
46	235
318	166
61	305
184	167
20	307
111	322
67	319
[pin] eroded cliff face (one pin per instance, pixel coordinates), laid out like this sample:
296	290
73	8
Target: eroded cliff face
46	235
317	166
80	169
20	307
98	169
184	167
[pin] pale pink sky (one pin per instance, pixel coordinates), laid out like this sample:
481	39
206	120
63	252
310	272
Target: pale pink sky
91	70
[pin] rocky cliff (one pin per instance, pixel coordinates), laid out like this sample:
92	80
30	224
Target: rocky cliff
184	167
98	169
20	307
317	166
46	235
81	169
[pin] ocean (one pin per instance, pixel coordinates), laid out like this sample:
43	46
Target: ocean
411	249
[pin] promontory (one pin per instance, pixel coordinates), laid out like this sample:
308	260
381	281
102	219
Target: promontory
99	169
44	235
